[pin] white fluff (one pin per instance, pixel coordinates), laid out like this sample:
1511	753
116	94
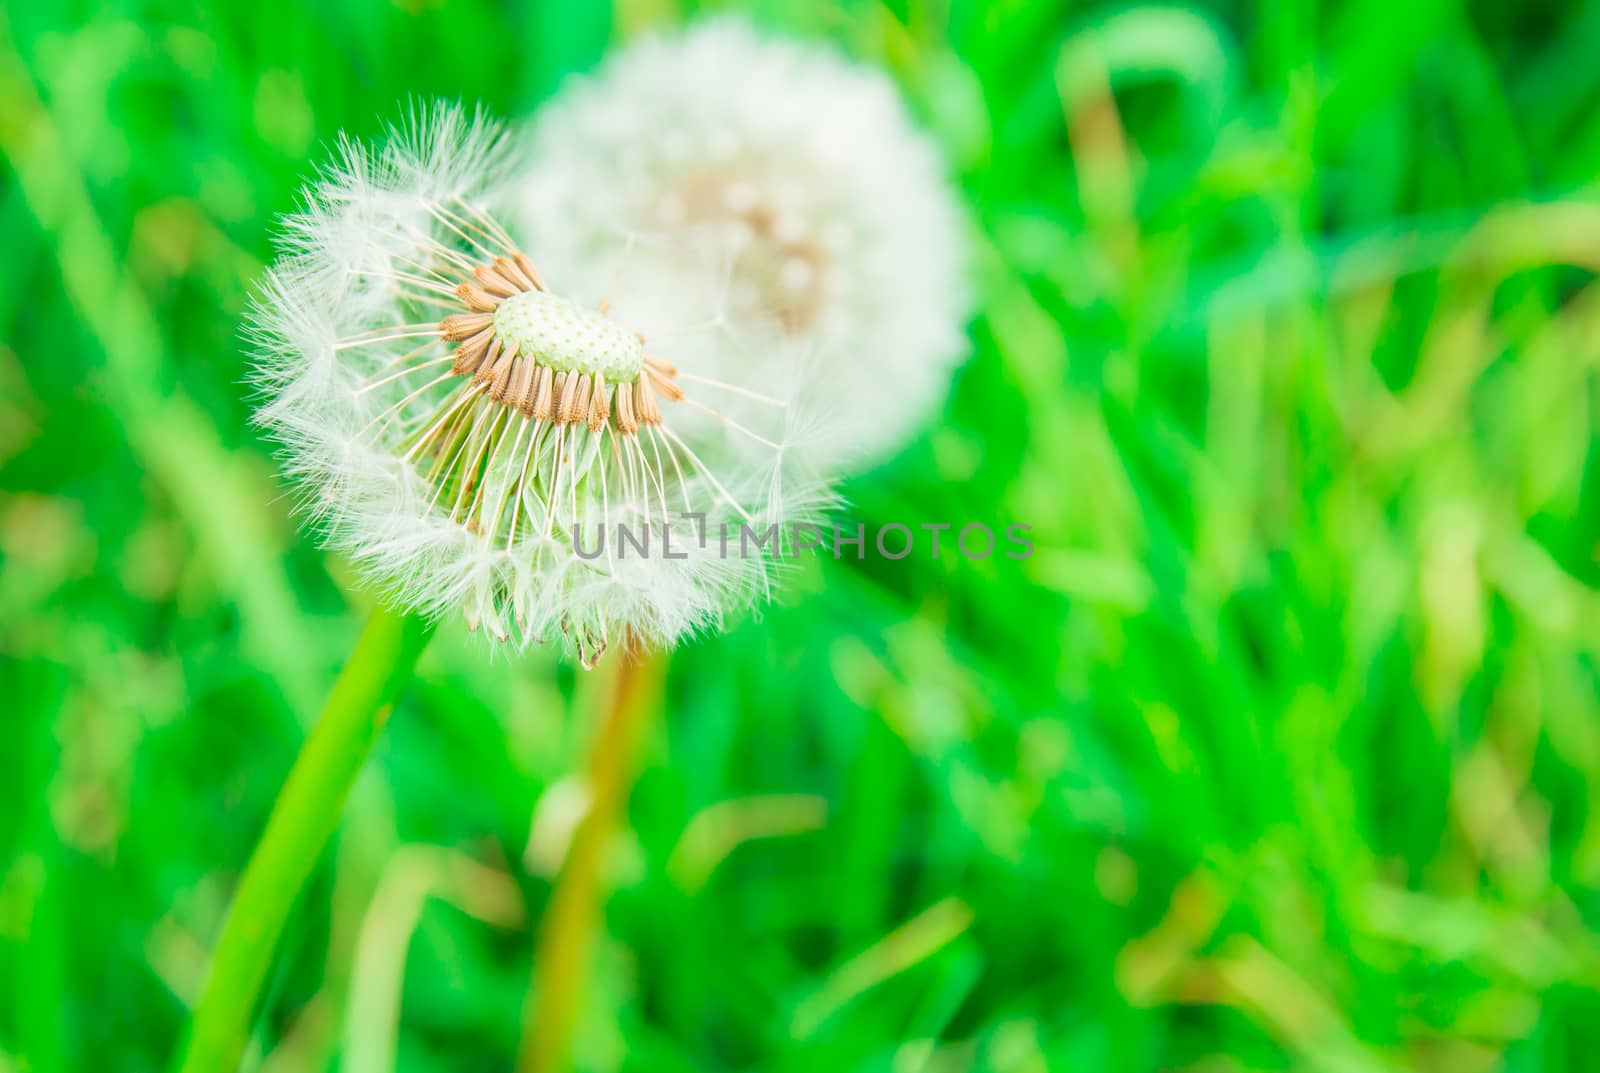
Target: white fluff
790	187
358	260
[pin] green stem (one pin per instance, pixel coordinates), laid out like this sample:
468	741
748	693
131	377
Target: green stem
572	917
302	822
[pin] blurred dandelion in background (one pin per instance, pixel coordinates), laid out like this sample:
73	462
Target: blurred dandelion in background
789	187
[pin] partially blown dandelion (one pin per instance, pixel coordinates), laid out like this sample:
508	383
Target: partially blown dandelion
793	188
457	424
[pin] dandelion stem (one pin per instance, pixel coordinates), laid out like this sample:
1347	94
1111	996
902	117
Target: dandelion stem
302	821
566	935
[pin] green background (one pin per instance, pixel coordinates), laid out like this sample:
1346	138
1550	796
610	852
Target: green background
1281	753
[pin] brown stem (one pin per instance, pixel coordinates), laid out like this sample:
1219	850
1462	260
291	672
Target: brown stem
566	935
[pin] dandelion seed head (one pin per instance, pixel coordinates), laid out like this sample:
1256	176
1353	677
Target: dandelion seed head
454	422
794	187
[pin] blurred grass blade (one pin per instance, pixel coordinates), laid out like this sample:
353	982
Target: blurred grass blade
414	875
915	941
218	497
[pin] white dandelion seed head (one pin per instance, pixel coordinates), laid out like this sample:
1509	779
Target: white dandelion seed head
788	187
448	414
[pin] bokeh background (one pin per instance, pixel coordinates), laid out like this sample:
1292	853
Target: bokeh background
1281	753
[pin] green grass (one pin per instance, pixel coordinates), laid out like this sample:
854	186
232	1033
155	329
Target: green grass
1279	754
